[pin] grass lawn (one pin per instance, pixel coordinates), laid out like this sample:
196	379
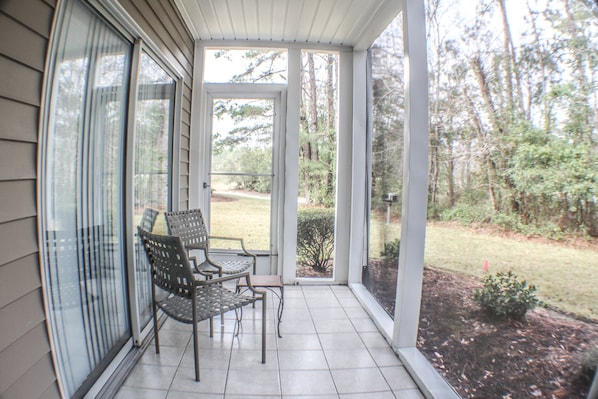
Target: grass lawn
565	277
246	217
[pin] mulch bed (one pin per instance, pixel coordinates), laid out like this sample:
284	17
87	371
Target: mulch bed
486	358
309	272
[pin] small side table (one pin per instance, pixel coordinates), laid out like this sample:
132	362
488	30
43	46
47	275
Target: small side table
272	284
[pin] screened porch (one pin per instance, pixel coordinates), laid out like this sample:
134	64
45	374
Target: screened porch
265	121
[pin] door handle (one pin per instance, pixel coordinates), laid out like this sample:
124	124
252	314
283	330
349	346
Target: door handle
205	185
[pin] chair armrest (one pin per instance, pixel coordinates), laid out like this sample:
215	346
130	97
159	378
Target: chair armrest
240	240
245	251
207	274
219	280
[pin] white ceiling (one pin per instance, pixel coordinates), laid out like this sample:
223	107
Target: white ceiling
354	23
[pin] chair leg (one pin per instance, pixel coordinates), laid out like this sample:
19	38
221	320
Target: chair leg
238	319
264	314
211	327
156	338
196	351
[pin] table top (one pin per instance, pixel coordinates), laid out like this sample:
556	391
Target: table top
261	280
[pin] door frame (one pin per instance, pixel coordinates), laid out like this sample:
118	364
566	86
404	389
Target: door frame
268	261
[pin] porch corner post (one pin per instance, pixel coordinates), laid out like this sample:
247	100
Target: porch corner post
344	162
196	168
358	233
288	248
415	177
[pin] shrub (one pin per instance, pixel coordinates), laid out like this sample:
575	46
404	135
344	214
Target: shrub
466	214
315	237
391	250
589	364
504	295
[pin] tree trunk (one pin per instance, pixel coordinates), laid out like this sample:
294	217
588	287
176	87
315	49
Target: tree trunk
511	67
544	74
434	163
582	78
480	74
450	171
312	99
331	125
487	164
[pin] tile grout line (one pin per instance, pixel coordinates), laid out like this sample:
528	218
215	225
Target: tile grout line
322	346
367	348
178	365
276	332
230	359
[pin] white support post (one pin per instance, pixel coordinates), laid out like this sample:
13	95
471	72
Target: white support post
196	155
415	177
358	253
344	162
288	248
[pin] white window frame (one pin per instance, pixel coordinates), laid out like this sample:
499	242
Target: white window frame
277	93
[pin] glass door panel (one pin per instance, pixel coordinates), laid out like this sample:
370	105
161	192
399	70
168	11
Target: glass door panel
241	172
83	198
154	118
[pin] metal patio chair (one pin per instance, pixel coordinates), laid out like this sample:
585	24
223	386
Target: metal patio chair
187	299
148	220
190	226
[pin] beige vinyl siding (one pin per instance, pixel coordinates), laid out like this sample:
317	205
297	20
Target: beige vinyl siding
18	200
21	275
160	20
19	121
25	358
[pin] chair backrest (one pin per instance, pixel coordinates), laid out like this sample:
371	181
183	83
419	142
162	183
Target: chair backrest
148	219
171	270
190	226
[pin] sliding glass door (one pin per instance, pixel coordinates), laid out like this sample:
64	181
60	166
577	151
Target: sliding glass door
86	145
83	199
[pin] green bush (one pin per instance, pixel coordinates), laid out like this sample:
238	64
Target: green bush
391	250
504	295
315	237
513	223
589	364
467	214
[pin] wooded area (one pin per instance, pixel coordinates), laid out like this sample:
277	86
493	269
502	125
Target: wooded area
513	114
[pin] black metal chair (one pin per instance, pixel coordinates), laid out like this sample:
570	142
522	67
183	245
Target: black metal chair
187	299
190	226
148	220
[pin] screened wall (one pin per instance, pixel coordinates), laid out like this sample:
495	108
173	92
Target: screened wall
385	165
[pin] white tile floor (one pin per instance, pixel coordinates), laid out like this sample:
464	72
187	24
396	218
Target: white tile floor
330	349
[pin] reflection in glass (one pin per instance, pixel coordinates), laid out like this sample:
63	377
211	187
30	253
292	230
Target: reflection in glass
380	274
151	183
83	202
